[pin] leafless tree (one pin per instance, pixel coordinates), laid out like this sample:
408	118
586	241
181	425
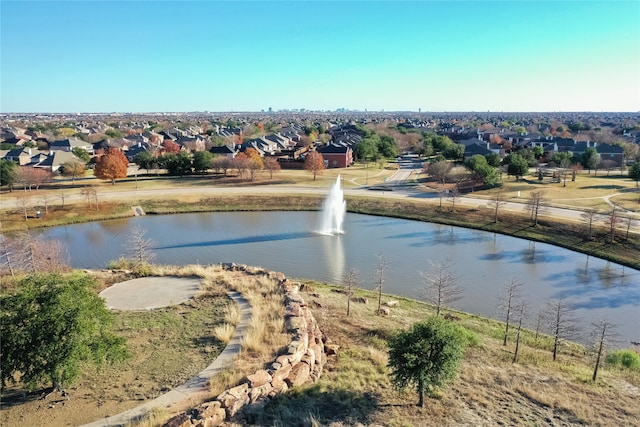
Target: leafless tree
439	170
22	253
629	220
520	311
271	165
539	322
88	193
498	200
454	193
351	283
222	163
535	205
138	248
589	216
507	301
563	324
380	271
441	285
25	202
612	221
7	254
608	165
604	332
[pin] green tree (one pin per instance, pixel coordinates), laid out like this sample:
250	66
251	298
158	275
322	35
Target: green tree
52	325
494	160
145	160
177	163
590	159
426	356
387	147
518	166
7	172
367	149
81	153
202	161
634	172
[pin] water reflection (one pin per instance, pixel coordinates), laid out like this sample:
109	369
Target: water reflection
334	256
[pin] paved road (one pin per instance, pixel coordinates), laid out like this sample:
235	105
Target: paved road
397	183
141	294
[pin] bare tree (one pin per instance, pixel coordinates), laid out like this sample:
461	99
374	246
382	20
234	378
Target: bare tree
498	200
7	254
139	248
535	205
453	196
222	163
439	170
380	271
25	201
590	215
629	220
49	256
271	165
351	282
441	285
612	221
511	296
89	192
608	165
539	322
604	332
520	310
563	324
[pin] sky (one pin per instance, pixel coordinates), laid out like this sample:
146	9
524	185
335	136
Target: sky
430	56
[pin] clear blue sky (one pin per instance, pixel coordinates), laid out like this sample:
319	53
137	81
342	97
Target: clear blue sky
94	56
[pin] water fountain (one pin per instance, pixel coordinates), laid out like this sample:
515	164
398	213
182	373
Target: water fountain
333	211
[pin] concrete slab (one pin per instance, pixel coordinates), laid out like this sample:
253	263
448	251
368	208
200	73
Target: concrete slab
147	293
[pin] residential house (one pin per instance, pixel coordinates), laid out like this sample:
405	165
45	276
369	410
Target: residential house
611	152
69	144
55	159
223	150
337	155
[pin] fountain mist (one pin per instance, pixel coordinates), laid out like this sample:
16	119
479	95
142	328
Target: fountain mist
333	211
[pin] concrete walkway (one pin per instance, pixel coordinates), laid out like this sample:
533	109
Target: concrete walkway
155	286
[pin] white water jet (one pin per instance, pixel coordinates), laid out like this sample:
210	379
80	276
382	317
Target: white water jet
333	211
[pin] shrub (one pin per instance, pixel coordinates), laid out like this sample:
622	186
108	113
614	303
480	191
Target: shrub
624	358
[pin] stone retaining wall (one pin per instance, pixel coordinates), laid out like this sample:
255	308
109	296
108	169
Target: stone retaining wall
302	362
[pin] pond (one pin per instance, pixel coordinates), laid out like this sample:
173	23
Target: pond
286	242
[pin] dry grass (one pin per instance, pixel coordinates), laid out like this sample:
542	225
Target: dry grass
155	417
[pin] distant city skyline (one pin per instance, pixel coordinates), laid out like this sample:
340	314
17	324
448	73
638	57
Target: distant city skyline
219	56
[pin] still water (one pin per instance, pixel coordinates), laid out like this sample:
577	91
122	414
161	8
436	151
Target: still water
286	242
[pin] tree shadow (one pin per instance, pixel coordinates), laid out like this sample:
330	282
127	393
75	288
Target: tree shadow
315	406
603	187
15	396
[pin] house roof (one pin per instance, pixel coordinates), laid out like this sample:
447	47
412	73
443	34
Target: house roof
472	150
609	149
334	149
223	149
